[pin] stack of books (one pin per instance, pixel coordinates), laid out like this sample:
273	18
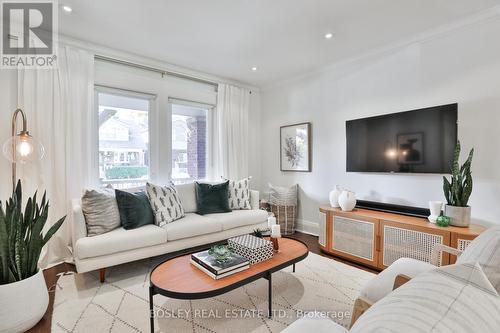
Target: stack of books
207	264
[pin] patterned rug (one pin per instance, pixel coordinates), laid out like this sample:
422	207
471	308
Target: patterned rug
83	304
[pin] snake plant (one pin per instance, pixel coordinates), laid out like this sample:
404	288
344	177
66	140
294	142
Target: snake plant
21	236
458	191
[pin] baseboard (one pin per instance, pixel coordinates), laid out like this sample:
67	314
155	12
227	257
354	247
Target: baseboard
307	227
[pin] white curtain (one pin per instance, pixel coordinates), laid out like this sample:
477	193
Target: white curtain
59	106
231	132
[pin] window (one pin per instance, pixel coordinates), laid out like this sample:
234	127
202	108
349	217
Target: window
123	139
189	142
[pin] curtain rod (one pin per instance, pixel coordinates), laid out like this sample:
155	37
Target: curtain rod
156	70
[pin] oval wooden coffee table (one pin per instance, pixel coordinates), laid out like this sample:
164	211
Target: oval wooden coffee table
177	278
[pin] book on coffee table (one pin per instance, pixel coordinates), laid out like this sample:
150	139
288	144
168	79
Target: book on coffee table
216	270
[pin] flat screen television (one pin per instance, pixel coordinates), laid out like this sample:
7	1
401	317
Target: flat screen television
418	141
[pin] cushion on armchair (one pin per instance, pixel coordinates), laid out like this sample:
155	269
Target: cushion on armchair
485	250
382	284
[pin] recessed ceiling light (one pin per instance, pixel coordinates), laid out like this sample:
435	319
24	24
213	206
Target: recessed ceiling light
328	35
254	69
67	9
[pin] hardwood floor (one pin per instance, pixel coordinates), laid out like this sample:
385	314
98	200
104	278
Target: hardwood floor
51	276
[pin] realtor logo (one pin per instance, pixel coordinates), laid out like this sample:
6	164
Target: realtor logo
29	34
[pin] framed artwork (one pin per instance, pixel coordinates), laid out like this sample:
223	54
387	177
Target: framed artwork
411	148
295	147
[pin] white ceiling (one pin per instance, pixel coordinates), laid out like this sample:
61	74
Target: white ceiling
283	38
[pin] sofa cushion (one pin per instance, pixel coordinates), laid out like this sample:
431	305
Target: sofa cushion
135	210
382	284
239	193
192	225
212	198
188	197
485	250
101	211
119	240
165	202
240	218
455	298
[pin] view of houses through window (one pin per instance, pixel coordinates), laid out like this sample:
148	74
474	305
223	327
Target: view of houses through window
123	140
189	143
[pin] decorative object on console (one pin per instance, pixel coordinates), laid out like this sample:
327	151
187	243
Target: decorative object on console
347	200
239	193
295	147
435	208
101	211
134	208
165	202
458	191
443	221
21	242
334	196
283	202
253	248
21	147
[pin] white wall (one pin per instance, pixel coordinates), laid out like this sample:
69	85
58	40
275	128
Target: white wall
459	66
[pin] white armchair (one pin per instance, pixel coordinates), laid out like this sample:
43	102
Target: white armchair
398	273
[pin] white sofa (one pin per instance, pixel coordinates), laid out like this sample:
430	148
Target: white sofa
120	246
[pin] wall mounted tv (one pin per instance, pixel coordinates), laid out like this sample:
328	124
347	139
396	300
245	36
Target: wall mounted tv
418	141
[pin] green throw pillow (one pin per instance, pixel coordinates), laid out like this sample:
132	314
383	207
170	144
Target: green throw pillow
212	198
135	210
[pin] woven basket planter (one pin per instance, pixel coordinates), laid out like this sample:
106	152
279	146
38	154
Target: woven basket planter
286	217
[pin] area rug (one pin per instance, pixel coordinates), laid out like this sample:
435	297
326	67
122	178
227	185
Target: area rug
83	304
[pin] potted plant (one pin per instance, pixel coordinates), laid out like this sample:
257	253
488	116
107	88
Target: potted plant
24	297
458	191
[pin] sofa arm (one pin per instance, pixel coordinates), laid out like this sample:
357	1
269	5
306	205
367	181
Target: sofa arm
254	199
78	226
440	248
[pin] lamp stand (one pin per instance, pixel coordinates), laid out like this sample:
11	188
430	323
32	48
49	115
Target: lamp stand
14	131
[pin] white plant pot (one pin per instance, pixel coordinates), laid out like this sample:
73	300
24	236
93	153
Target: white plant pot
23	303
334	197
347	201
460	216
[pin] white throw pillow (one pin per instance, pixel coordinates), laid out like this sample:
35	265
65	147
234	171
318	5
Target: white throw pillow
165	202
187	195
239	193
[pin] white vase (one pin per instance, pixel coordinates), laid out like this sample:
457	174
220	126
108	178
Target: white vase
334	197
23	303
347	200
435	209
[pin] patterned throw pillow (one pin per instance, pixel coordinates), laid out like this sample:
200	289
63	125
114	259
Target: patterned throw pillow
166	203
239	194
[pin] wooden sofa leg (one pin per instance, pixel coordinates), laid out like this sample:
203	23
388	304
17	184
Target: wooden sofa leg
360	306
102	275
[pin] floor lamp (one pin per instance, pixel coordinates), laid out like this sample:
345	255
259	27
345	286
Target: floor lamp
21	147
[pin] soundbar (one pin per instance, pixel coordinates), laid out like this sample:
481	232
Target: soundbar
392	208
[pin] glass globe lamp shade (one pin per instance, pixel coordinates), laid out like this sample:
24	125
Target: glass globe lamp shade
23	148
